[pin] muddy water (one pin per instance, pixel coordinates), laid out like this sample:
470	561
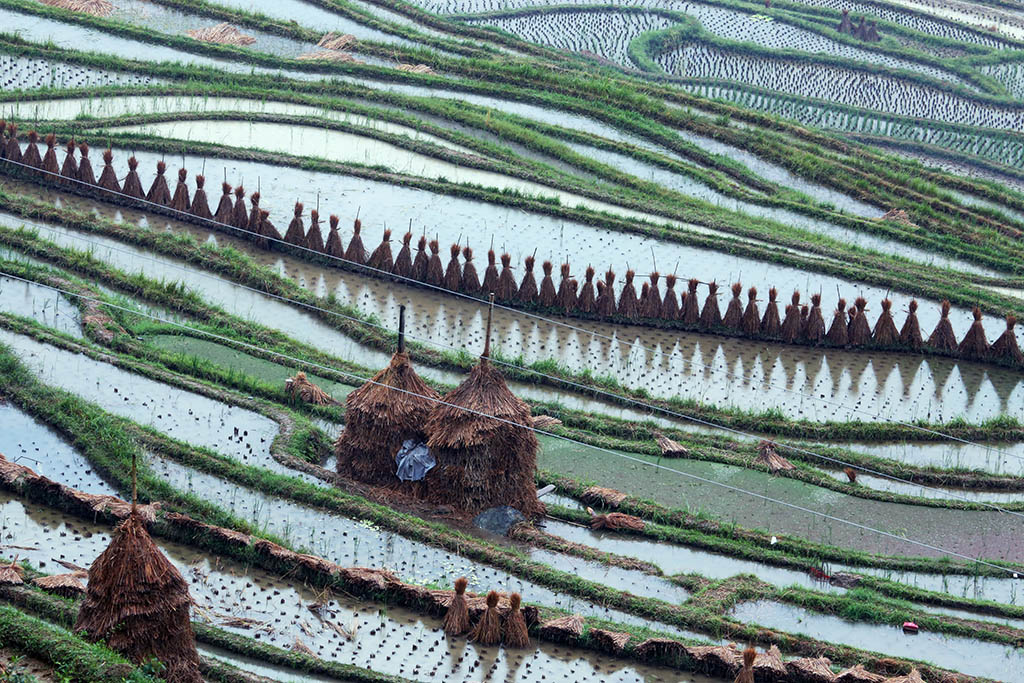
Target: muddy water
800	382
42	304
359	543
345	147
1007	590
201	421
29	442
388	640
968	656
697	487
944	493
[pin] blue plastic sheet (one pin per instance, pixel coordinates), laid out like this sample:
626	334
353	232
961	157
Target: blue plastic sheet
414	460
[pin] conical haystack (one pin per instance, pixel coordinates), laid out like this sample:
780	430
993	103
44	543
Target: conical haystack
380	259
750	324
85	172
132	183
225	209
490	283
200	207
456	619
488	630
859	330
943	338
507	287
527	293
13	149
255	220
710	316
159	193
629	306
566	298
513	631
70	167
793	324
355	251
837	335
435	271
379	416
1006	347
690	313
30	155
180	200
403	262
296	233
910	335
605	302
770	323
670	302
481	435
421	261
50	165
108	177
814	330
734	313
138	603
586	302
334	246
974	344
315	238
453	272
650	307
470	282
885	333
267	229
548	296
239	214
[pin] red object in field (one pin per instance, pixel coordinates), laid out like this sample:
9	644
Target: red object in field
819	574
909	627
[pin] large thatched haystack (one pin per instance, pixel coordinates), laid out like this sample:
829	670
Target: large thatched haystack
481	435
138	603
380	415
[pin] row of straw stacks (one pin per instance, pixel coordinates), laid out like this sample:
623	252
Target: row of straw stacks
797	323
501	621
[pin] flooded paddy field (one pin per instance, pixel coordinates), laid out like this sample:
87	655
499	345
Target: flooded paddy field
534	140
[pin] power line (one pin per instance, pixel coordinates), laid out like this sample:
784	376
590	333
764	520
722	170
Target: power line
600	449
593	333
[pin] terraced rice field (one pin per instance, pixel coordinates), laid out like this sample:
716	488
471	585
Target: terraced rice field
718	464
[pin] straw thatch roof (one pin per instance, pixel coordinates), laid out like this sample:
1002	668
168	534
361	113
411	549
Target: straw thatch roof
943	337
767	455
974	345
200	204
484	462
222	34
65	585
392	407
381	256
453	272
138	603
629	305
586	302
1006	346
858	674
97	8
837	334
770	323
470	283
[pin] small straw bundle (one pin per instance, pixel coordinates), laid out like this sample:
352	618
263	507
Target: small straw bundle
711	317
734	313
615	521
566	297
885	333
629	306
650	306
300	388
490	284
488	629
528	287
355	252
421	261
159	193
974	345
85	172
314	238
333	41
403	262
225	208
381	256
690	313
605	302
507	287
770	324
515	633
329	56
64	585
767	455
670	302
793	324
750	324
456	619
548	296
910	335
435	271
814	330
586	302
453	273
470	282
70	167
746	674
96	8
334	246
837	334
12	574
1006	347
132	183
222	34
200	204
859	330
50	160
670	448
296	233
943	338
180	200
